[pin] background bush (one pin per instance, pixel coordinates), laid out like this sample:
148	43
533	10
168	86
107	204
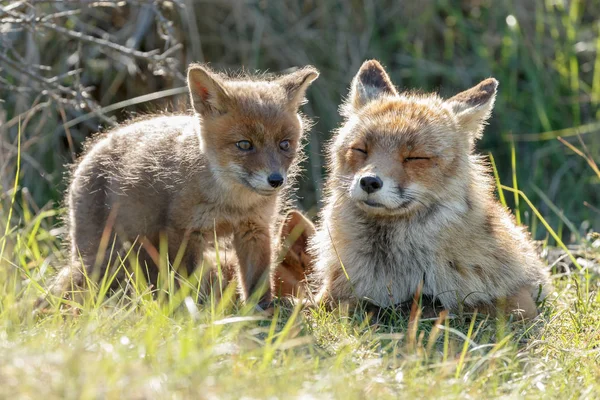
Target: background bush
68	69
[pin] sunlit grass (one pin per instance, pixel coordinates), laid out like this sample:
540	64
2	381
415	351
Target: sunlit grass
138	348
14	195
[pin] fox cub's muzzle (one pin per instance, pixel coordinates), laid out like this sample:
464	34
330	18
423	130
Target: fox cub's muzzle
275	180
265	183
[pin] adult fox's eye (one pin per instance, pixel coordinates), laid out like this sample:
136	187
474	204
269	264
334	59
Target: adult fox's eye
416	158
284	145
359	150
244	145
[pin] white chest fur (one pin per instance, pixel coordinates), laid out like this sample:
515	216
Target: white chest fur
387	263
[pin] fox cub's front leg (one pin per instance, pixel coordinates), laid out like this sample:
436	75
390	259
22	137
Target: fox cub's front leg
252	243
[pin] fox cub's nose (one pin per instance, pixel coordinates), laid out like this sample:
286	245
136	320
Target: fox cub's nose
370	184
275	180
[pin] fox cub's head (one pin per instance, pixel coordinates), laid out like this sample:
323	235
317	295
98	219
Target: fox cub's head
250	128
396	153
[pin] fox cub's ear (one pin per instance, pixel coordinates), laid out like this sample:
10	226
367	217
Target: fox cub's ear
294	234
296	262
296	83
474	106
206	90
296	227
370	82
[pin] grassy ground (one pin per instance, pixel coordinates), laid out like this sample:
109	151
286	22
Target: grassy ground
137	347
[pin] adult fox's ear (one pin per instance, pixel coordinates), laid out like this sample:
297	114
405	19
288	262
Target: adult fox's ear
473	107
206	90
296	83
370	83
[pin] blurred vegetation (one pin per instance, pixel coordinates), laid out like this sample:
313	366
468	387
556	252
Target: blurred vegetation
70	68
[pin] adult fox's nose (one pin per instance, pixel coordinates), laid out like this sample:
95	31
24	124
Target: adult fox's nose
370	184
275	180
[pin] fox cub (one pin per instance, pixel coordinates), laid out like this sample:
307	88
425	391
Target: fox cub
409	203
179	181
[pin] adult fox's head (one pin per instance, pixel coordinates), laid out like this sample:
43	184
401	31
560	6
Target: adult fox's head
250	130
398	153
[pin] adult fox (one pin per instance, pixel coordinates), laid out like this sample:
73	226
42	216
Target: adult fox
409	203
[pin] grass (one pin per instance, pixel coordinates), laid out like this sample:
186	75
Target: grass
143	348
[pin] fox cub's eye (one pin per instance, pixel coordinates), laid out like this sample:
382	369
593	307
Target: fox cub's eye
359	150
244	145
284	145
416	158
